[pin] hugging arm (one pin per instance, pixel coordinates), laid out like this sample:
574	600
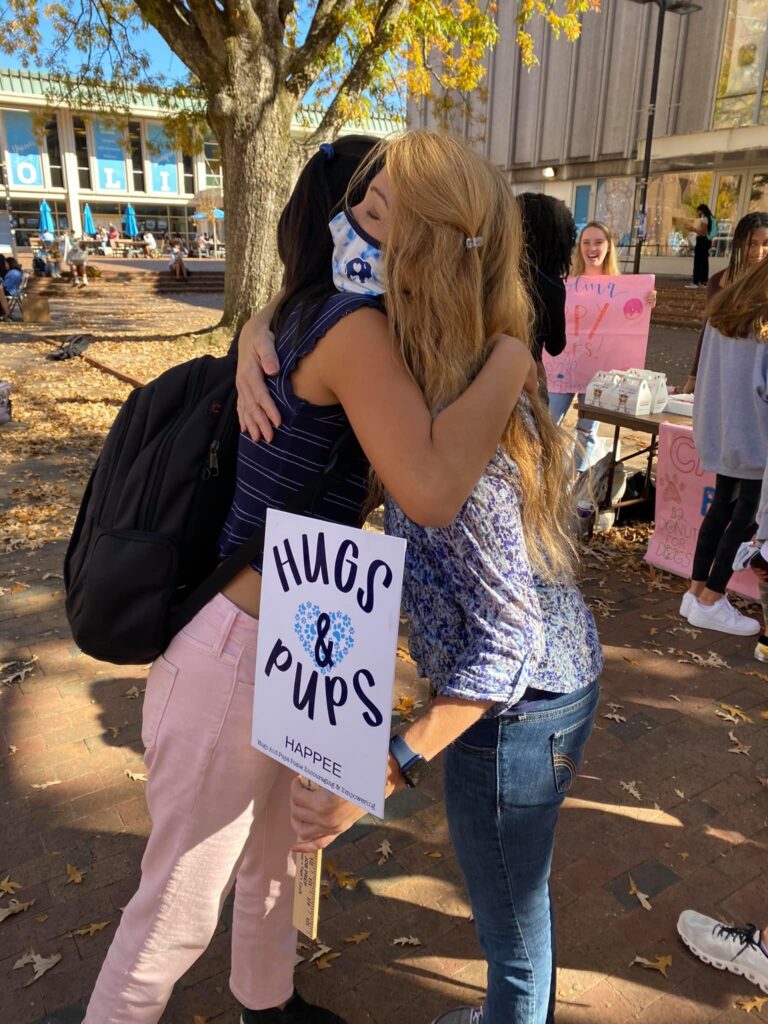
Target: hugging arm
429	465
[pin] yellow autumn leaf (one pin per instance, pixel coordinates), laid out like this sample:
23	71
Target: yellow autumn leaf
357	939
324	962
660	964
74	874
89	929
9	887
642	897
434	854
750	1003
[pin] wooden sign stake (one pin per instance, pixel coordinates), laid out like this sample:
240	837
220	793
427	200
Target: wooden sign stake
306	894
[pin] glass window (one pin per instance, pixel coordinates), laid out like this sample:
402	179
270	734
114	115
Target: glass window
758	193
614	205
81	152
726	209
136	152
741	67
582	198
189	174
212	154
671	204
54	152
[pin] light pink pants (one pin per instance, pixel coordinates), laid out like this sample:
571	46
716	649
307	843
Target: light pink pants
220	815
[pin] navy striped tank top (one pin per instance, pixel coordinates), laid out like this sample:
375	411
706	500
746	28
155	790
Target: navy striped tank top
269	474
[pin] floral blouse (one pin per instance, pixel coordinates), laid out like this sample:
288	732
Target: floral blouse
483	626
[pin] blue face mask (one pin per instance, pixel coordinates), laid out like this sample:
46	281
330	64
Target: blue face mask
358	262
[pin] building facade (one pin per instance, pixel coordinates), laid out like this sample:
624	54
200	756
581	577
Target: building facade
72	158
574	126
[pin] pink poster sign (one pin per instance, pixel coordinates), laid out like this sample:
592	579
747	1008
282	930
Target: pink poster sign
684	492
606	321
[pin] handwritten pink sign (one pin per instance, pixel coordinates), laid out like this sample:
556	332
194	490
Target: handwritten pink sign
606	321
684	492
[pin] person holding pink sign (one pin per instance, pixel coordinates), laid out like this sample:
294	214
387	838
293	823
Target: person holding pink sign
730	428
595	256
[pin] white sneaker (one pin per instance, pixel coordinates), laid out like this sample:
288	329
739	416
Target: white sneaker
686	604
689	286
728	949
723	617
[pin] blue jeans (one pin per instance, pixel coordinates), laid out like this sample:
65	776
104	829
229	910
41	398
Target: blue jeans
586	430
505	779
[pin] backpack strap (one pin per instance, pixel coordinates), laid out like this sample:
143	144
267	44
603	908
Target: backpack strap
345	446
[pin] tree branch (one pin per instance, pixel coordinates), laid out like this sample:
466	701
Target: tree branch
182	33
359	74
210	24
308	61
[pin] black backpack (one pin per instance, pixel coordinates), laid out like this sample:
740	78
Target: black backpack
142	560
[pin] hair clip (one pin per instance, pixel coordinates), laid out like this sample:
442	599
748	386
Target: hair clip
327	149
473	242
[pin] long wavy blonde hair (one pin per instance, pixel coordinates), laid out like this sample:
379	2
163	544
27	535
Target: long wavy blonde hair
741	309
446	303
611	261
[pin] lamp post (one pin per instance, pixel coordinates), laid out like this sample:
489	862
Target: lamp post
681	7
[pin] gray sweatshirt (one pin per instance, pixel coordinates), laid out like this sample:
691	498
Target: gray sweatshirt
730	413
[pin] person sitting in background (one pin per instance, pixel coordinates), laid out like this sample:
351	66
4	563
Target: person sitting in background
3	300
13	277
78	262
176	264
151	245
112	233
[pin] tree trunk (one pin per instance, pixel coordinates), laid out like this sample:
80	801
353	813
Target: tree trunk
253	122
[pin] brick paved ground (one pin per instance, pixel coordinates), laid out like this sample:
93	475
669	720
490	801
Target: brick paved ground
697	836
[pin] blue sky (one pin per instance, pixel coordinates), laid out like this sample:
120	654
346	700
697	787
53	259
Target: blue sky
163	60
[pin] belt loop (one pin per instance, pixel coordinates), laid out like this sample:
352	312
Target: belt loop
225	628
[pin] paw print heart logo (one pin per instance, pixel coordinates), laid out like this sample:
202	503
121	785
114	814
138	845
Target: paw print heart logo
327	637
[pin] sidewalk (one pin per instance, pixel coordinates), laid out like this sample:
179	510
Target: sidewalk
696	837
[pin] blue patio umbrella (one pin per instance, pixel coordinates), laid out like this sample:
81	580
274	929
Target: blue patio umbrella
46	218
129	220
89	228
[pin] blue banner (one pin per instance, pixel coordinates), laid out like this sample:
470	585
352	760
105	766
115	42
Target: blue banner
25	168
163	172
110	157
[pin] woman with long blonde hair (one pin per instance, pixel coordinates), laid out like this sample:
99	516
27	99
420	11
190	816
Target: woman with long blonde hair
497	623
595	256
730	428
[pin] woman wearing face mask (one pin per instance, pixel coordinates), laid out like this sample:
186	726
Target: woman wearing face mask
497	623
595	256
748	247
220	808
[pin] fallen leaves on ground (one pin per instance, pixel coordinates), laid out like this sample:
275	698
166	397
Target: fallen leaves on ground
660	964
40	964
631	788
434	854
642	897
324	962
134	693
46	785
631	661
713	660
750	1003
343	879
113	730
8	886
405	655
12	750
14	907
675	697
14	672
135	776
732	713
320	951
739	747
384	849
74	874
405	707
406	940
89	929
763	780
357	939
614	716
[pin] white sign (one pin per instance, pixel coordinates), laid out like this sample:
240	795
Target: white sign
325	665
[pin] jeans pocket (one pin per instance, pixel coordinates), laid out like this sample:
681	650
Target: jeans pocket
568	751
160	682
